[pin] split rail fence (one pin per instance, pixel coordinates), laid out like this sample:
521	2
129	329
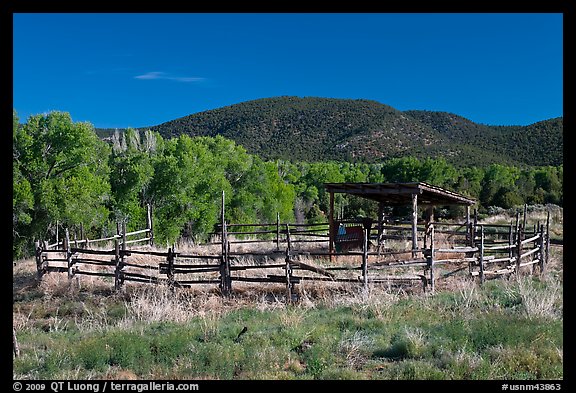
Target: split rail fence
300	254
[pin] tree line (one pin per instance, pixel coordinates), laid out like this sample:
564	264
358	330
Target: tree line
65	175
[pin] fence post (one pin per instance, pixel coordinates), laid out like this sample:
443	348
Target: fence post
288	238
542	251
510	241
38	254
431	258
524	217
473	229
123	254
278	231
170	261
380	227
519	249
68	255
548	238
117	261
365	259
225	279
288	267
468	233
481	256
149	223
517	226
414	224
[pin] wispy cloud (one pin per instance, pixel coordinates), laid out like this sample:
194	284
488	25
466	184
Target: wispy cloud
163	75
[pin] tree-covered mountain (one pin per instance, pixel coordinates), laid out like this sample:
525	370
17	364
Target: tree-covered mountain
319	129
536	144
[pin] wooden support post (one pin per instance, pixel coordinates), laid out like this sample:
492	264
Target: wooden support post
278	231
225	279
288	268
380	226
170	261
117	260
149	223
38	255
542	250
223	224
473	229
524	217
414	224
468	228
365	259
68	255
519	239
517	227
429	219
123	255
547	238
510	241
288	238
481	255
332	228
431	258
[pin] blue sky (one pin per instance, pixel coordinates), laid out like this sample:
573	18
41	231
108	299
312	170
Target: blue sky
137	70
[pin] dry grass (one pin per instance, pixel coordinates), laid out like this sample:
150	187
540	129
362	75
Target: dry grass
356	349
536	214
158	303
466	293
341	327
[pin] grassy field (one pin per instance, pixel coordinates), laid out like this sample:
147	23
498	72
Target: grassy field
535	215
506	329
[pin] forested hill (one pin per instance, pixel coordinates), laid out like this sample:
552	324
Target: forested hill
318	129
536	144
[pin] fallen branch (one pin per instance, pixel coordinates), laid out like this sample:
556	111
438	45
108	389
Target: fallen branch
15	346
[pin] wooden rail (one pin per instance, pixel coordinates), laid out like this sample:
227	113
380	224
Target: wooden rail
363	266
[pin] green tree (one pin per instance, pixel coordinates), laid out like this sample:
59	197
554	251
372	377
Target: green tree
470	182
549	179
65	164
22	200
132	170
186	190
497	176
438	173
402	170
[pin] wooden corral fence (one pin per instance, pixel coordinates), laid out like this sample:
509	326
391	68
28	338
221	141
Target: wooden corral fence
385	255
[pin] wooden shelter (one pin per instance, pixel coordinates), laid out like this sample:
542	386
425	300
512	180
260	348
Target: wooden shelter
398	194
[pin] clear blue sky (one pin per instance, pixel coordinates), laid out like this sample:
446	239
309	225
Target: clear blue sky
137	70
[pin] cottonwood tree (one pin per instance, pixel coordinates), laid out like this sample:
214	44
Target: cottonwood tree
66	167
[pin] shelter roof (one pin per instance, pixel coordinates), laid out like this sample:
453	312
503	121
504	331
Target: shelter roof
400	194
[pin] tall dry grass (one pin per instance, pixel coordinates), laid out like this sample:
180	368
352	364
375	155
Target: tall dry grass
535	214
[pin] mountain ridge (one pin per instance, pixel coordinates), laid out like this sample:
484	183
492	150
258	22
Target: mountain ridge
360	130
